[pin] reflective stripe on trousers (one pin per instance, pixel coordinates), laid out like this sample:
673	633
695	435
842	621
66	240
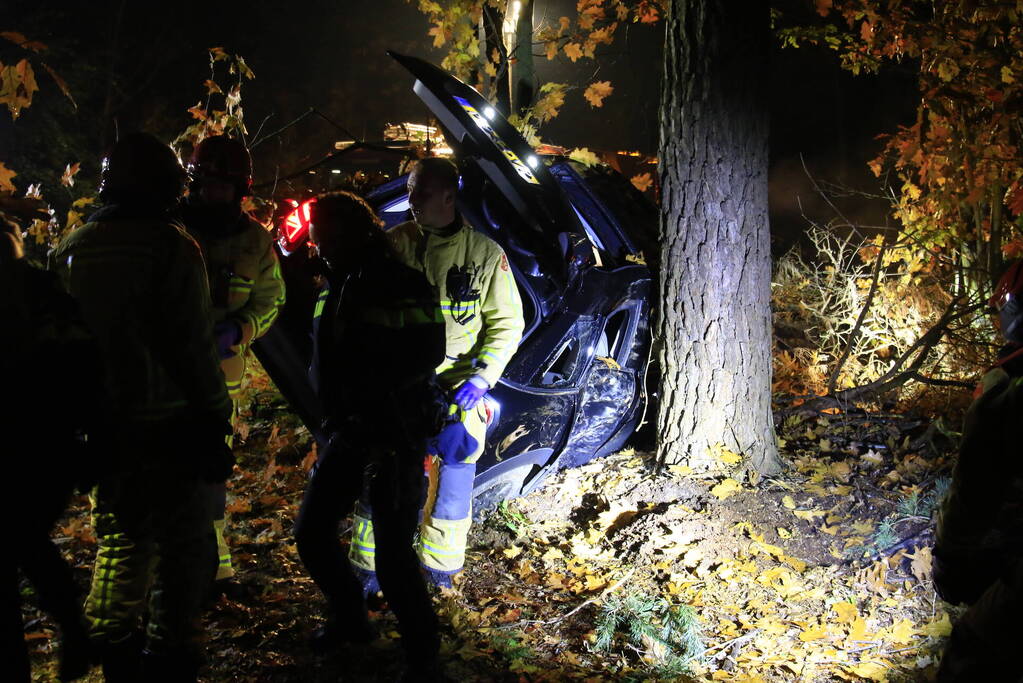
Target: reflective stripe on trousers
447	514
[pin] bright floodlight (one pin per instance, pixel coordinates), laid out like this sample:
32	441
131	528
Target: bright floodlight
489	113
532	161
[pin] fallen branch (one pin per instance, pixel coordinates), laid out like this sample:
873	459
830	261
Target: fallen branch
607	591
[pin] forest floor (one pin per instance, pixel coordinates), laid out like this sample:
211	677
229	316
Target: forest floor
615	571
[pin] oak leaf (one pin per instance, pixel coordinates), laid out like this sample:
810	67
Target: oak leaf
5	179
642	181
573	51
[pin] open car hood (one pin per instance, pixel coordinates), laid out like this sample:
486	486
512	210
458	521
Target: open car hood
477	130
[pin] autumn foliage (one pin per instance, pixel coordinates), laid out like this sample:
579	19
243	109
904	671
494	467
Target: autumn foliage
955	172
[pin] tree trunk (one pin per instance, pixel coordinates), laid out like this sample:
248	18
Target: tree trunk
715	321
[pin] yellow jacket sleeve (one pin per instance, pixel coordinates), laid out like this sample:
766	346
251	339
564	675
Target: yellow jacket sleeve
266	300
501	309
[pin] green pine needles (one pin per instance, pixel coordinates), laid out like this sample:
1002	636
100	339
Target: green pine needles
666	634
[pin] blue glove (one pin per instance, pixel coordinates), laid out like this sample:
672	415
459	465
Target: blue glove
227	333
471	391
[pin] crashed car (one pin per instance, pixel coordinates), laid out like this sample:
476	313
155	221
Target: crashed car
574	236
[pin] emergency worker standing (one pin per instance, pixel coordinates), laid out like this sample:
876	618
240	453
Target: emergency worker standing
139	280
246	286
379	334
483	322
45	344
978	551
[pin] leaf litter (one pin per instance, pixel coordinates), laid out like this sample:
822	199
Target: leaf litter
590	577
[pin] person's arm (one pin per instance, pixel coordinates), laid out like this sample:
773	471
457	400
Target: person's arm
265	301
501	309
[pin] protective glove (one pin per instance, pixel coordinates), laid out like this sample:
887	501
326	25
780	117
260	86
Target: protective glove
227	333
453	444
471	391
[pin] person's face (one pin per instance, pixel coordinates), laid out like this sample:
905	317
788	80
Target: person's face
325	244
215	191
433	205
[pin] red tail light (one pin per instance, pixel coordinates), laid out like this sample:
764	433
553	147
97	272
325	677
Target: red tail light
295	227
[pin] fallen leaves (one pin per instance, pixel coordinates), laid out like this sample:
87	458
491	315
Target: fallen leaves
726	488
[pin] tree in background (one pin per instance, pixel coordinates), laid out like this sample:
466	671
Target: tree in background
957	169
715	322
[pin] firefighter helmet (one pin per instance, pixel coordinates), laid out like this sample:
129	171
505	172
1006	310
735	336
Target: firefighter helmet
140	169
1007	299
222	158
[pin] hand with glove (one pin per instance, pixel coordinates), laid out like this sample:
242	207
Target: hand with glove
227	334
471	391
216	461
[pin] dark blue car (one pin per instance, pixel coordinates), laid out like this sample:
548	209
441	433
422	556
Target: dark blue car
575	237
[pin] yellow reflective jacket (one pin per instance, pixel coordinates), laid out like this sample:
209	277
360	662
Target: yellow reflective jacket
478	296
245	285
141	285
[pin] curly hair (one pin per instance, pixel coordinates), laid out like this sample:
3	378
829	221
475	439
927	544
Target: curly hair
348	214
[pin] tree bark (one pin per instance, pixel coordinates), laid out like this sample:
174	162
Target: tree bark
714	326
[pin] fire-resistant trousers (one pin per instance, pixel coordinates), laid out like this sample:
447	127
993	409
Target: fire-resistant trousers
447	513
394	484
155	533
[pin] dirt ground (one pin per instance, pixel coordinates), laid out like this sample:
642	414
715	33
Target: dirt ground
615	570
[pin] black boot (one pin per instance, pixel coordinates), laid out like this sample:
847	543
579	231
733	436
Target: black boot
122	661
338	632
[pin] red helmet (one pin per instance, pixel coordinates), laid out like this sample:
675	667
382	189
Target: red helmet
222	158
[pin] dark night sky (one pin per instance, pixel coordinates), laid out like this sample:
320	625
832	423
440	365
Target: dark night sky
330	55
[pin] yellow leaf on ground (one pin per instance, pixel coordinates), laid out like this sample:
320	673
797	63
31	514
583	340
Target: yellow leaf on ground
682	470
784	533
845	611
815	632
863	528
938	629
789	503
921	564
902	632
726	488
858	631
512	552
553	554
872	670
808	515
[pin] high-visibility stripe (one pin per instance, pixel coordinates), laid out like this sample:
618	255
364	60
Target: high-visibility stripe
321	301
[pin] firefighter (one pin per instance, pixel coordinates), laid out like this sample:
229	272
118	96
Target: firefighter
42	325
246	286
378	335
978	551
139	280
483	321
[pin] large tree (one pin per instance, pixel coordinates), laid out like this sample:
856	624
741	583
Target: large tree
715	322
